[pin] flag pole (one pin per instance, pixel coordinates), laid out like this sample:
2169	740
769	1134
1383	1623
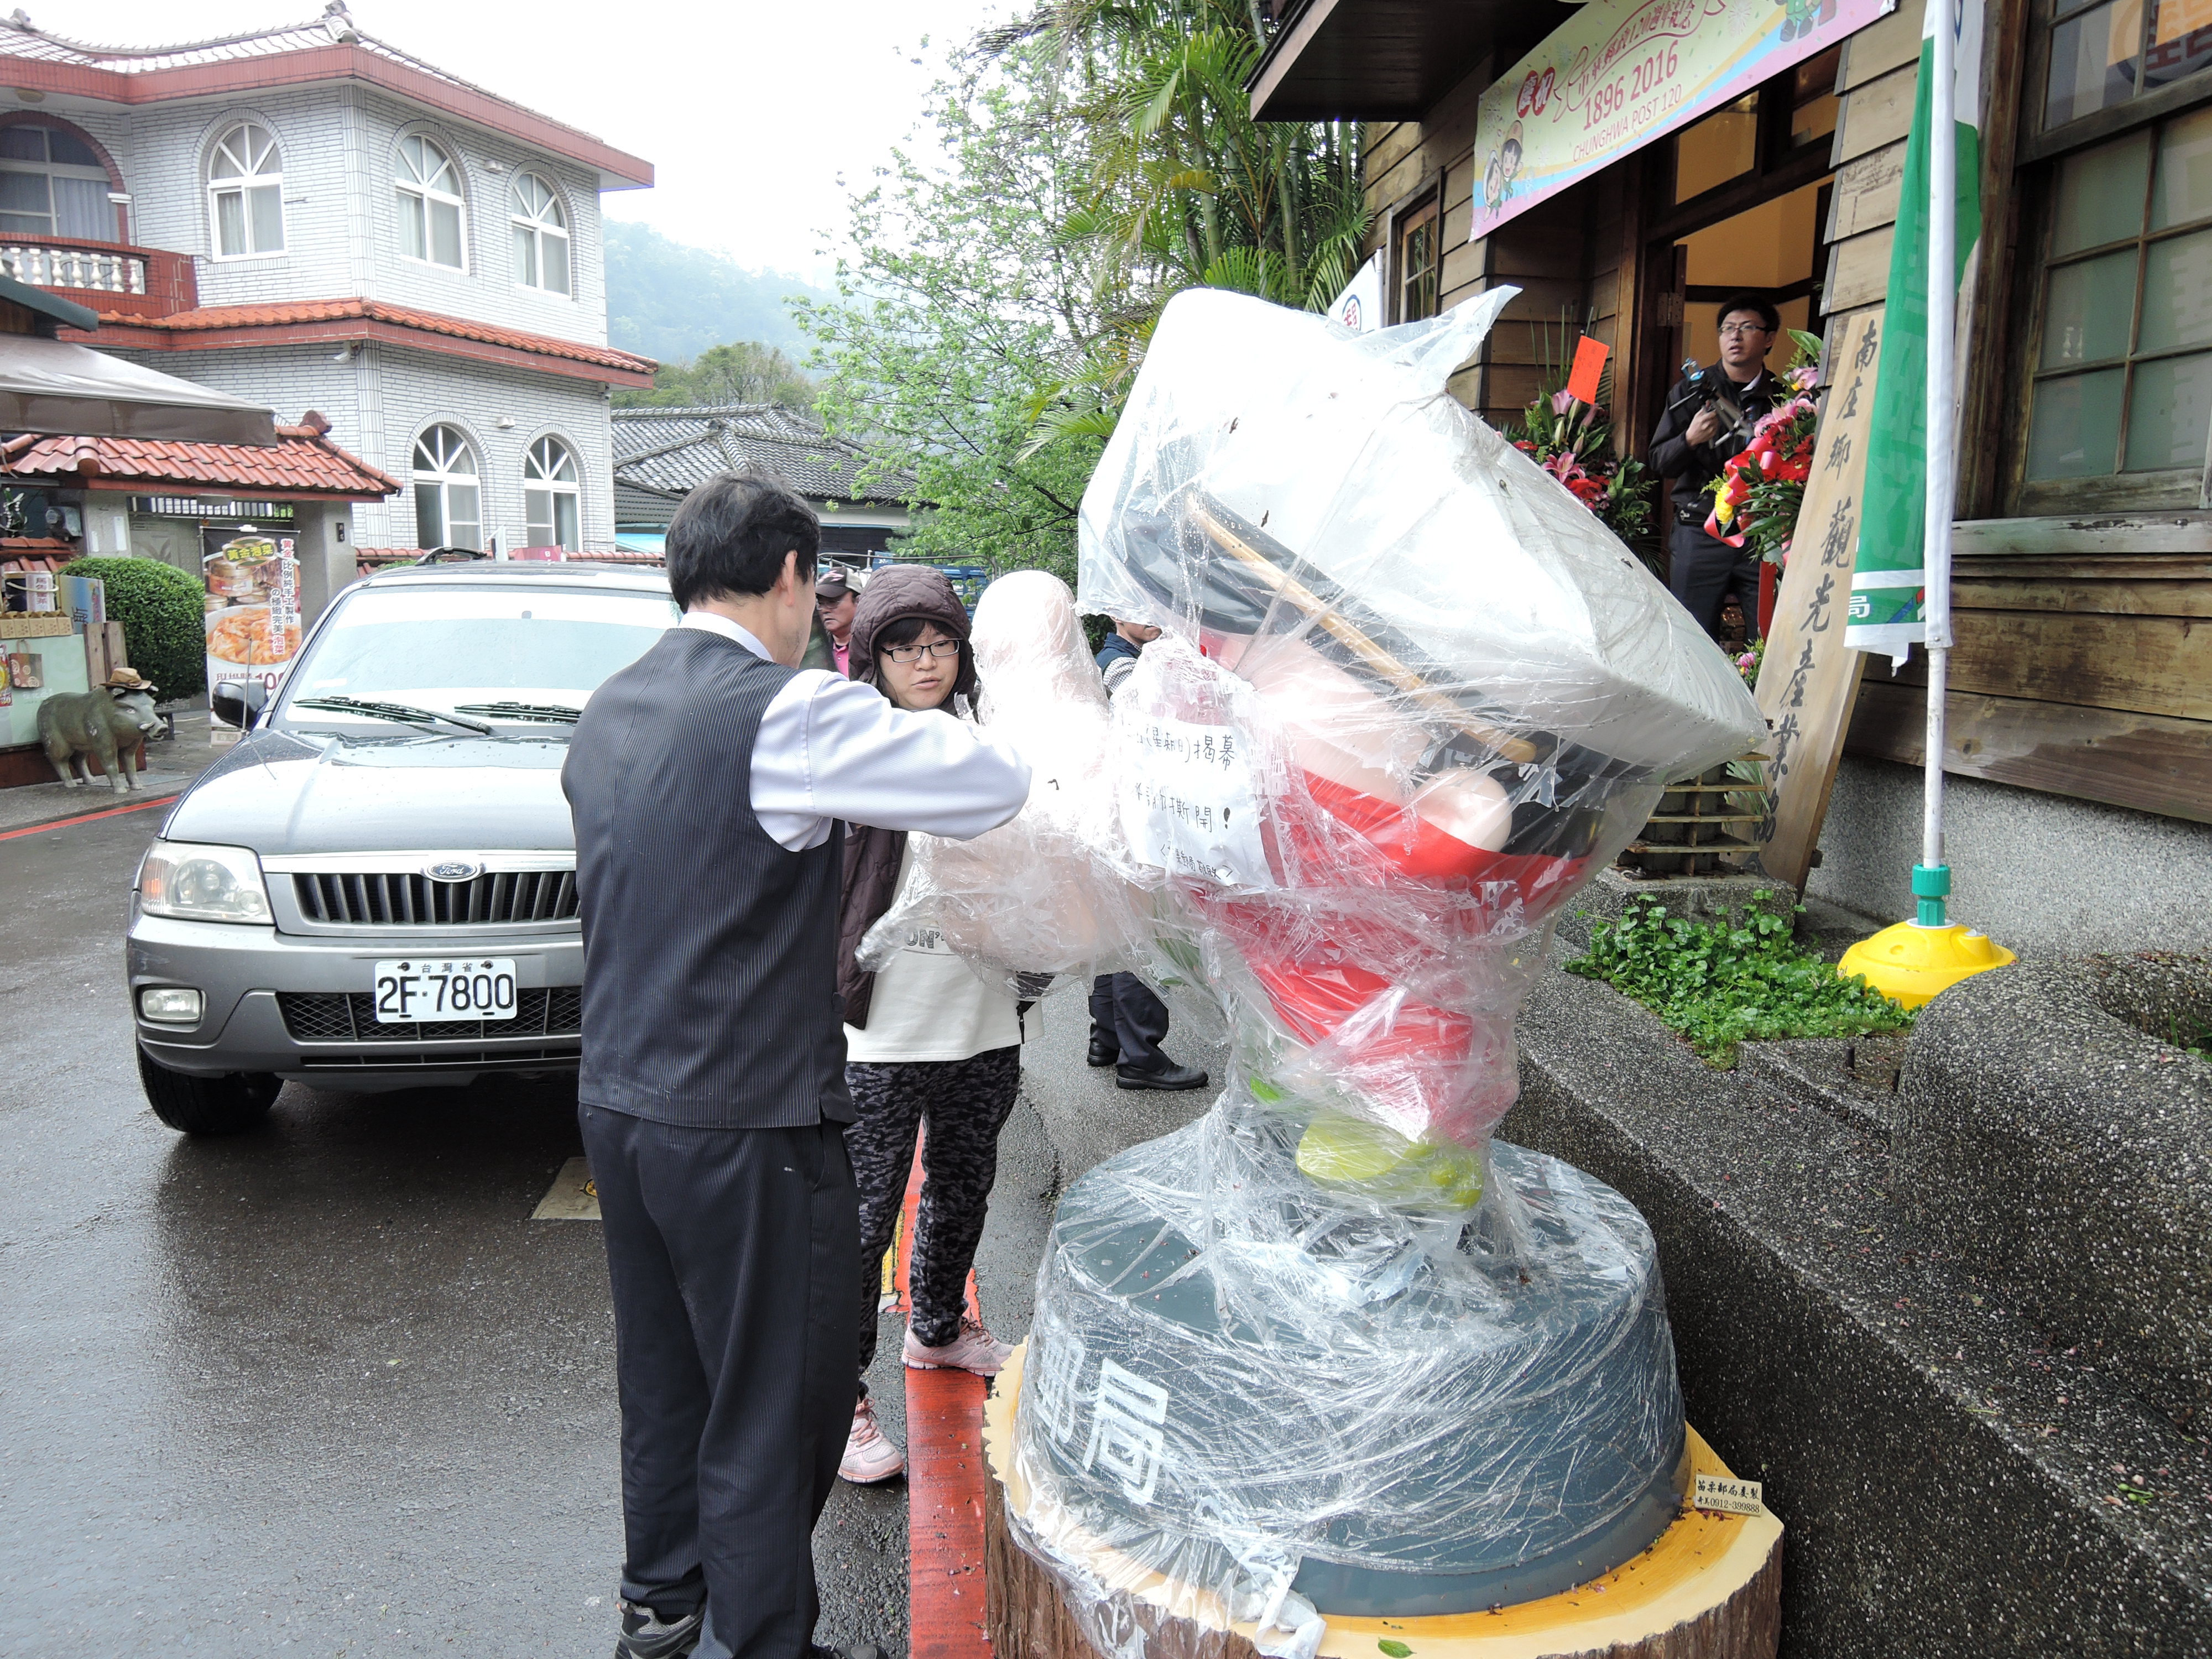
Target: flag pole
1931	878
1915	960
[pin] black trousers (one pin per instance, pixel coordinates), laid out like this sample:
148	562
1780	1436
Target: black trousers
732	1253
1125	1008
1703	571
964	1103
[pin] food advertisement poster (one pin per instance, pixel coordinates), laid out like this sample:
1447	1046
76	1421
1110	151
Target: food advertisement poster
1620	73
252	607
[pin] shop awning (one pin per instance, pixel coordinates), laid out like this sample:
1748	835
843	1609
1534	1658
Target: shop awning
1388	60
54	386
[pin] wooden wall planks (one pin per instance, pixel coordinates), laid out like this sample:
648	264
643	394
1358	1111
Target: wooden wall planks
2150	762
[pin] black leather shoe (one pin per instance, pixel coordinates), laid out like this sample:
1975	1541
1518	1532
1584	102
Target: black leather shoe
1105	1051
646	1635
1171	1078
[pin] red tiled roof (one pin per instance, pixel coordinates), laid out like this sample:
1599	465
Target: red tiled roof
20	554
297	311
304	463
328	47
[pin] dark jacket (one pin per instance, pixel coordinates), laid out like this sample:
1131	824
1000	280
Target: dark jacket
1114	650
873	856
690	910
1690	467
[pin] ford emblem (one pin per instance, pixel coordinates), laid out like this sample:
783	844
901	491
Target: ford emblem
453	870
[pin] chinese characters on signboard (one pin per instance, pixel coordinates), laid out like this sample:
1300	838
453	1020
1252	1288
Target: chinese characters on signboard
1620	73
252	607
1809	678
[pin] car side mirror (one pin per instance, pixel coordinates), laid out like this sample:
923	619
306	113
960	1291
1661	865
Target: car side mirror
238	702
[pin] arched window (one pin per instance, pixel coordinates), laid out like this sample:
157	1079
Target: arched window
549	494
246	192
448	510
429	203
541	234
52	185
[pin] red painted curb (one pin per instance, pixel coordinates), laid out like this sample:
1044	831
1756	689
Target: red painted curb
945	1479
87	818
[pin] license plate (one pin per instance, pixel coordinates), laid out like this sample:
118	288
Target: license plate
433	988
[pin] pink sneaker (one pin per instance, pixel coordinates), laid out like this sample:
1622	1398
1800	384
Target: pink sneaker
974	1349
870	1454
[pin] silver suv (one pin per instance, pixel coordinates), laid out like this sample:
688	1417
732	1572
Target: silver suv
377	888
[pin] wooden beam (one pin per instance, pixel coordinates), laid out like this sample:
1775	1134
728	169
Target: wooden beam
2150	764
2143	664
2082	536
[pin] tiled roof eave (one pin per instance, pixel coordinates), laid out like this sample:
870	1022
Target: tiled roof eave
213	327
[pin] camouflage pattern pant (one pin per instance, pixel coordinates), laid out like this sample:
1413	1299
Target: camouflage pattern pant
961	1104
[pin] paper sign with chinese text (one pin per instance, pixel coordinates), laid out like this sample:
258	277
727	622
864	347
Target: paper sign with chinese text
1808	678
1620	73
1187	801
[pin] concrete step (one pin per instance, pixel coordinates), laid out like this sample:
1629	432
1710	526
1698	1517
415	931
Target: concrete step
1955	1482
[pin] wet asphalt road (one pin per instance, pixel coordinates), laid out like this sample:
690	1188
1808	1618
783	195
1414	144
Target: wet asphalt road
326	1389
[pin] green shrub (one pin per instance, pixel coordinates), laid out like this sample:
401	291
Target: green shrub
162	612
1719	985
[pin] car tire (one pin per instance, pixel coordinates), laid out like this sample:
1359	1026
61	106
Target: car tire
228	1104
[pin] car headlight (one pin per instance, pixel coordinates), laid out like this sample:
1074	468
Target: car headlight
203	884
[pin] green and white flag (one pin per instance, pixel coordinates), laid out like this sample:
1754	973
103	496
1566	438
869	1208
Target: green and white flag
1888	611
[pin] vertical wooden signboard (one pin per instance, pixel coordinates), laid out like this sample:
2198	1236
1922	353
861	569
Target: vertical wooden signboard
1807	679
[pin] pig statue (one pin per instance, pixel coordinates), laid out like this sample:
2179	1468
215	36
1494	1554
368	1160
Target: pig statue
107	721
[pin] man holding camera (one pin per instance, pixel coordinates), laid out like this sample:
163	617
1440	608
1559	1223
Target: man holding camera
1709	417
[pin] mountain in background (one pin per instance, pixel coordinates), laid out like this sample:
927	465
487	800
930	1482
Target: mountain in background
671	301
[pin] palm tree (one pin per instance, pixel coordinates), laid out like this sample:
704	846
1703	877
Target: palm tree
1184	189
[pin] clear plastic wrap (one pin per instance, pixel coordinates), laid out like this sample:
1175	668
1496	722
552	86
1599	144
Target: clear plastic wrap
1327	1350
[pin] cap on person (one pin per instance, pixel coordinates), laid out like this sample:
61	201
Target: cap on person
829	589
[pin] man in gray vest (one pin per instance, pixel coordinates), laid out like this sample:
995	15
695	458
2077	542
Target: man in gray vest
707	782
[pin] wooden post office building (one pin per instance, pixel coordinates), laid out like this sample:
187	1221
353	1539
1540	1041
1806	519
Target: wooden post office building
1627	164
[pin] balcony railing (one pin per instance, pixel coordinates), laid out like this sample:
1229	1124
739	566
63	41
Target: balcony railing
109	276
44	265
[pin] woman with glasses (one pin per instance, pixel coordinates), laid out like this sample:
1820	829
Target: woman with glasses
928	1045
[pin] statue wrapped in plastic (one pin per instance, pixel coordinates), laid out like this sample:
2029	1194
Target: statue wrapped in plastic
1330	1350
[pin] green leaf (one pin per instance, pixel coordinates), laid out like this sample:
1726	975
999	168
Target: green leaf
1395	1649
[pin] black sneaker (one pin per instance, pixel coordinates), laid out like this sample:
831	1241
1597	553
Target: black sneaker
646	1635
1170	1077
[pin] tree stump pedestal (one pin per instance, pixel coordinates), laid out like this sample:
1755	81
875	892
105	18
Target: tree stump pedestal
1710	1588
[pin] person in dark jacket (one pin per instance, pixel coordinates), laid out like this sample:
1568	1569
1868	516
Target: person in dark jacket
1128	1021
707	782
929	1046
1691	444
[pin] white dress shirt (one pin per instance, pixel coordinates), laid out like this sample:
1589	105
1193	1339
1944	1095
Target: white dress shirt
830	748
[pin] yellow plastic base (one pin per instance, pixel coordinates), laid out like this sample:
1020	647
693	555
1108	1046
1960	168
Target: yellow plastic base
1908	963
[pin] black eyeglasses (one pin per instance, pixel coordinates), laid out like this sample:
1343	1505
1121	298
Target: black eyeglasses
1728	329
941	649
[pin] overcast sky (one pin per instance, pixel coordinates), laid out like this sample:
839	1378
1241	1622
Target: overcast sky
748	110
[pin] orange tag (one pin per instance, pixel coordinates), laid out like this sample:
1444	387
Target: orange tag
1590	366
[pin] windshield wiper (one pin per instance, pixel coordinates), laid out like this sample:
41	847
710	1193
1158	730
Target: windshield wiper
558	712
401	713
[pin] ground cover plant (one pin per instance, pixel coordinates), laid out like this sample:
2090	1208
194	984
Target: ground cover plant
1719	983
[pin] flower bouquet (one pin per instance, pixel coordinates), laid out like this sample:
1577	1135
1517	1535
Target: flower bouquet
1758	494
1572	440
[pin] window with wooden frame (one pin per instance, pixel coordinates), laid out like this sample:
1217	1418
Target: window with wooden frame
2118	364
1418	260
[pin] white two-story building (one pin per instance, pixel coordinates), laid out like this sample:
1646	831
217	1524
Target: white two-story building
317	220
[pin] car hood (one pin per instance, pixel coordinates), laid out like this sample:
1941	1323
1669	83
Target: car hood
280	794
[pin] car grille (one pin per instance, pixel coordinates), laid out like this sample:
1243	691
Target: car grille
351	1016
392	898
